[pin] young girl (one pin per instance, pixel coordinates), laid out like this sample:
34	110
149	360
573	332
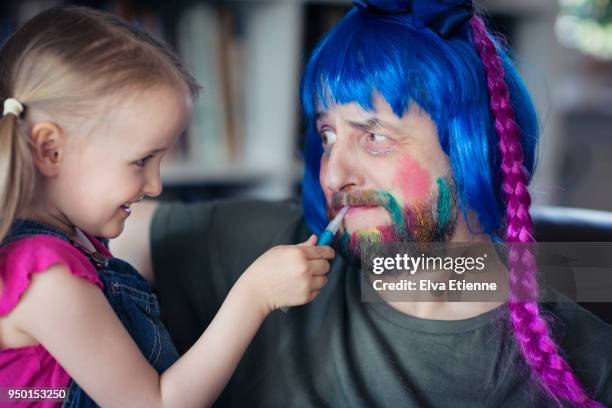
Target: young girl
90	107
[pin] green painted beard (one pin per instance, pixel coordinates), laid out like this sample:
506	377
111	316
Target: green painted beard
430	220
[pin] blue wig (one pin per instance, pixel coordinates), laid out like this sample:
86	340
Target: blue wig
367	53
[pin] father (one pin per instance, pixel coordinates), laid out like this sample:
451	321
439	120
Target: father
406	106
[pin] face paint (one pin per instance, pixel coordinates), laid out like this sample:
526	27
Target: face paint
388	233
366	241
369	198
413	180
446	204
430	220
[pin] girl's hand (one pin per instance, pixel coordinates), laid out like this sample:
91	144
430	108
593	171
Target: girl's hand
288	275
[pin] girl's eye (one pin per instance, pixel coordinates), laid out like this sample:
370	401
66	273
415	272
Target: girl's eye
328	137
142	162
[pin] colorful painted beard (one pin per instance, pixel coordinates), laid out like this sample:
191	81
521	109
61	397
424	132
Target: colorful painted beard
430	220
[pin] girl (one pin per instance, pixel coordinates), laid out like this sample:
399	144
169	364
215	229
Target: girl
90	107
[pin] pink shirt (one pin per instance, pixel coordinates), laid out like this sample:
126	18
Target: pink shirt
33	366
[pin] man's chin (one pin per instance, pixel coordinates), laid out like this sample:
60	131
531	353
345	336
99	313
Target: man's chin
366	229
379	232
359	243
363	220
366	243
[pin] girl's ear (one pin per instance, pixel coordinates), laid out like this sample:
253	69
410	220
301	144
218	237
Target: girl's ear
47	143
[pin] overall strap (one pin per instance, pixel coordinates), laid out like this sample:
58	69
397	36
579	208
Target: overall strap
24	228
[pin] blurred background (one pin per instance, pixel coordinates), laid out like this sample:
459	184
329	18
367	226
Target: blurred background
246	134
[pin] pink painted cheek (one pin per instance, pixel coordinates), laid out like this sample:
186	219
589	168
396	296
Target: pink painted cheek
412	180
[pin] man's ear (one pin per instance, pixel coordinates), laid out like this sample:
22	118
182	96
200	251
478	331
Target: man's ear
47	143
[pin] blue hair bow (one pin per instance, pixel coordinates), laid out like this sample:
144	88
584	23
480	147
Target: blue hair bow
442	16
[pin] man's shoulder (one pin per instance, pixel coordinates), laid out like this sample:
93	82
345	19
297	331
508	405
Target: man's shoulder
256	212
236	221
228	212
586	342
576	321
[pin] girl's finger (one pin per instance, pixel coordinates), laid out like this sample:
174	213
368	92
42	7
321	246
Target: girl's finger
312	240
319	252
312	295
319	267
318	282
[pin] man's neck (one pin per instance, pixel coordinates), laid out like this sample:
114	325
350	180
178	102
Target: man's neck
444	310
448	310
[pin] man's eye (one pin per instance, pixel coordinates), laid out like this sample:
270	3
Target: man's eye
377	143
328	137
142	162
376	138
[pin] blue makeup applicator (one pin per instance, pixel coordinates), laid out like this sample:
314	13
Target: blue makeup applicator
332	228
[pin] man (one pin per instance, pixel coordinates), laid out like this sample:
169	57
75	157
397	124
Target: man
400	129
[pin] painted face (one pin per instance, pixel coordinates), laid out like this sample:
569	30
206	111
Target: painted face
390	170
118	163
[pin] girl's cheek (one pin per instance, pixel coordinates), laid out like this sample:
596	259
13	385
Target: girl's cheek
412	180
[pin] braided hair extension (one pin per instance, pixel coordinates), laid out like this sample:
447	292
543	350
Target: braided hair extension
530	328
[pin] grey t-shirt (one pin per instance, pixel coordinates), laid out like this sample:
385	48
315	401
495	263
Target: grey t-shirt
338	351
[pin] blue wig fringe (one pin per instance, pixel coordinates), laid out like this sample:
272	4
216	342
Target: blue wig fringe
365	53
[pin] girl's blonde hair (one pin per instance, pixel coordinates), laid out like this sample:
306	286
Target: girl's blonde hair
59	62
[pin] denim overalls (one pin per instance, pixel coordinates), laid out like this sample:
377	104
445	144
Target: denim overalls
130	296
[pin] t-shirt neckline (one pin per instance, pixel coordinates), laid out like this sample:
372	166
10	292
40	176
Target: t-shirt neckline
387	313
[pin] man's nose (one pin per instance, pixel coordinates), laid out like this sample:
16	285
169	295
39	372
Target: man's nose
341	171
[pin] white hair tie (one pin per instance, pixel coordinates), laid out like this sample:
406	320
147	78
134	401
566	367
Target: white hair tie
12	105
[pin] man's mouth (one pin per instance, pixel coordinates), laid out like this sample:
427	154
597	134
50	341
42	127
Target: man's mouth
357	201
353	209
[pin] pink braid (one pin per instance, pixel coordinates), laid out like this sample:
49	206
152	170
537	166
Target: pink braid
530	329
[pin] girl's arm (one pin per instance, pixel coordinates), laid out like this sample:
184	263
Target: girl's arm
75	323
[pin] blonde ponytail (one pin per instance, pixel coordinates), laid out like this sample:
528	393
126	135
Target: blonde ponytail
17	174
